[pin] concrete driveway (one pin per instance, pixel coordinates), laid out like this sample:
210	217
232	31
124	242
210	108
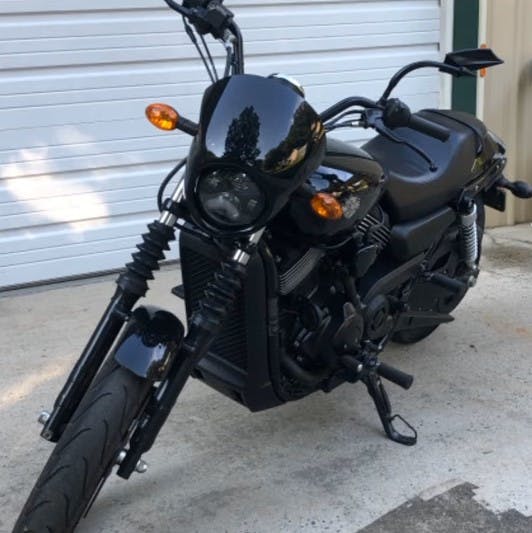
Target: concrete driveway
318	465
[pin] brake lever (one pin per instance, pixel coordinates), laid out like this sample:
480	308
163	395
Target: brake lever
372	118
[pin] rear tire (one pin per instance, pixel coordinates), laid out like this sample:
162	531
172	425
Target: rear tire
411	336
85	453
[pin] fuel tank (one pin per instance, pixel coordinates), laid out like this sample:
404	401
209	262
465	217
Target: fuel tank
348	173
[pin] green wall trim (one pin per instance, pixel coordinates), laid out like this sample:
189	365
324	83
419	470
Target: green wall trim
465	35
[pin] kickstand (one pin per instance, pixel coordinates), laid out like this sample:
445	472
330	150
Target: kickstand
377	391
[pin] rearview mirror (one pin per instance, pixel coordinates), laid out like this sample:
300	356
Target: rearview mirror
473	58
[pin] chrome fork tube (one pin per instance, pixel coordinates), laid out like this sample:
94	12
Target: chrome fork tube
167	218
241	256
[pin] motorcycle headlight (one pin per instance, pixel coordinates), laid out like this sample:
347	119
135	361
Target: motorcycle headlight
230	198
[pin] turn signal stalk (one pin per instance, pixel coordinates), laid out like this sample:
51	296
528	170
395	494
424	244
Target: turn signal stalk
166	118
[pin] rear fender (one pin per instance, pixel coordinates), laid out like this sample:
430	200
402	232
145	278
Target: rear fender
150	342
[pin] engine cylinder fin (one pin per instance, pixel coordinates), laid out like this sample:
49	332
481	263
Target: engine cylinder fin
292	277
379	231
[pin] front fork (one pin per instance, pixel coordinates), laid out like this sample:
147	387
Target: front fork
205	324
131	286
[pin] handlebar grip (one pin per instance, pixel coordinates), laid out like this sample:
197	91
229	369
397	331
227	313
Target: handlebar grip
429	128
396	376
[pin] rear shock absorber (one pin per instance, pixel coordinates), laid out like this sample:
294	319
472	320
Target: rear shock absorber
469	235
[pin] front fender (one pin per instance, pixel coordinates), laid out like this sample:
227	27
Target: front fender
150	342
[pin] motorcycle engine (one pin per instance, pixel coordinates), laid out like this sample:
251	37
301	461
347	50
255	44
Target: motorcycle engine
319	319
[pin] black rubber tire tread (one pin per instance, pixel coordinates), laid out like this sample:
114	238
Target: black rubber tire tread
84	452
411	336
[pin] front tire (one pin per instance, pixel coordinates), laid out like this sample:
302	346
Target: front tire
85	453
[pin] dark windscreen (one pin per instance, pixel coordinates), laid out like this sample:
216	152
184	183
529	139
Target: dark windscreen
259	122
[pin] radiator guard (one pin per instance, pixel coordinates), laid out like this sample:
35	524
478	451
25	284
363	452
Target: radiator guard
242	362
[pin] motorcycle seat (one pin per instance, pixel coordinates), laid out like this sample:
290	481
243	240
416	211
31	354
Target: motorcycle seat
413	189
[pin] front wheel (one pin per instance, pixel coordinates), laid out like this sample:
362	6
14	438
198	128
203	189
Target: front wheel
85	453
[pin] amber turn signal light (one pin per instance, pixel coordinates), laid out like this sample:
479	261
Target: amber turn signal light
162	116
483	71
326	206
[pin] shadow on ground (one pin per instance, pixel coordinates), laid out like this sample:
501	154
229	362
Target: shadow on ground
453	511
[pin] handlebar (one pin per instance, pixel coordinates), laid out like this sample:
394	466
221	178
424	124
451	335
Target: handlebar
394	114
212	17
345	104
429	128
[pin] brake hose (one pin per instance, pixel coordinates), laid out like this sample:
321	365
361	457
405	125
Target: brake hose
167	180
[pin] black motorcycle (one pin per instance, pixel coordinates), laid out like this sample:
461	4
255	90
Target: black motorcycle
302	256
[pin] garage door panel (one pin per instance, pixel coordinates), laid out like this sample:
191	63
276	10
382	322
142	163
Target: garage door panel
69	164
46	7
70	266
142	39
72	212
336	14
68	81
80	165
43	133
52	235
124	23
48	154
73	134
35	188
63	95
105	111
80	197
51	6
133	108
177	50
79	113
261	28
42	160
59	253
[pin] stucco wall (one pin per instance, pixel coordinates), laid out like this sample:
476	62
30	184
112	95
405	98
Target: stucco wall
507	98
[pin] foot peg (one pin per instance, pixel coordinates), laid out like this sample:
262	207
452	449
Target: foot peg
369	370
520	189
395	375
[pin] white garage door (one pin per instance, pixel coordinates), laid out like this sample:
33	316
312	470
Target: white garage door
80	166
